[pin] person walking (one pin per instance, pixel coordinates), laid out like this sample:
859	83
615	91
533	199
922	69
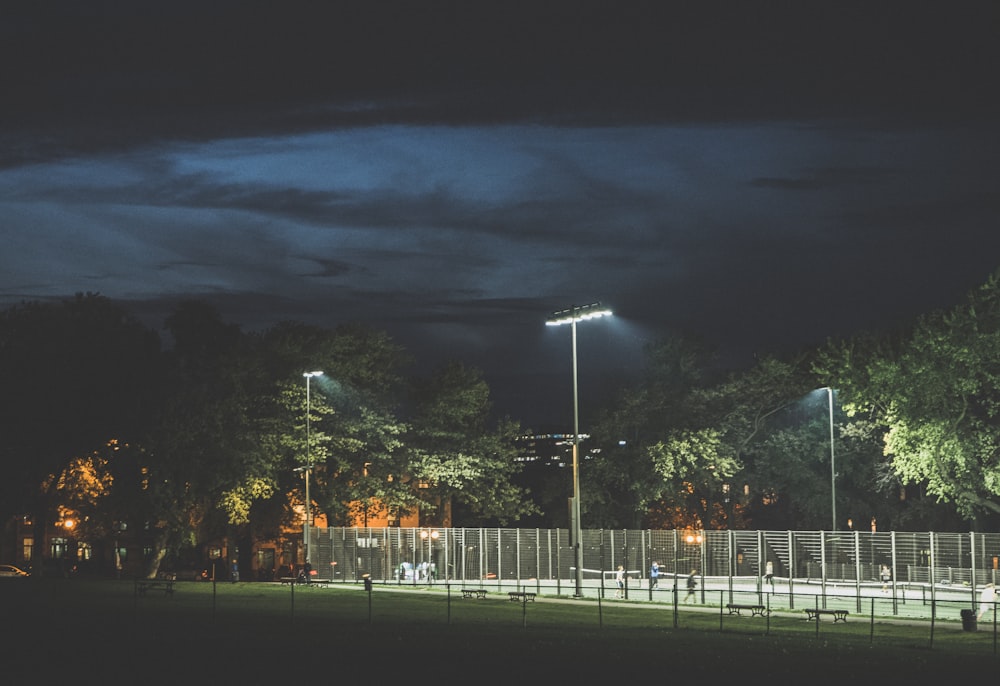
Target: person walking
986	600
654	574
692	584
620	582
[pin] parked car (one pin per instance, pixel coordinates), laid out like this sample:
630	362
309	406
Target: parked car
12	571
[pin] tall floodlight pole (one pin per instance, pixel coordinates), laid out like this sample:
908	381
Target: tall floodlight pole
572	316
308	467
833	468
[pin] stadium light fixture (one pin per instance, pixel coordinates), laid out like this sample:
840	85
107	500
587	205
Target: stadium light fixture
571	316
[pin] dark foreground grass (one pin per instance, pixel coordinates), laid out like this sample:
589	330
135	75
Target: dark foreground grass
255	633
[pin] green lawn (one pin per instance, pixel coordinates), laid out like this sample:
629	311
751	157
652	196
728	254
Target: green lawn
256	633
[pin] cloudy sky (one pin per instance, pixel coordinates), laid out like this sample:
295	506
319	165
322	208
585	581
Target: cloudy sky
761	175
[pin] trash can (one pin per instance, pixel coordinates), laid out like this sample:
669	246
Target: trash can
969	620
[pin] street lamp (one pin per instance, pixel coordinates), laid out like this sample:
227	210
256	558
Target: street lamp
307	468
833	469
571	316
430	568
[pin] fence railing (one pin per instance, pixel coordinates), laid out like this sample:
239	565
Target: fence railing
816	561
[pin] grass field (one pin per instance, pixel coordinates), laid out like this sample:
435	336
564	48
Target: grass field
256	633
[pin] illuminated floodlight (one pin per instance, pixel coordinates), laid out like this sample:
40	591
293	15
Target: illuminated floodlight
578	314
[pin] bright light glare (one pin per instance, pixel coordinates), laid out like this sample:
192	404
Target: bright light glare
578	314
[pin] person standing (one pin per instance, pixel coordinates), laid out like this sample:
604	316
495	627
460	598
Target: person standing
769	573
886	575
692	584
986	600
620	582
235	572
654	574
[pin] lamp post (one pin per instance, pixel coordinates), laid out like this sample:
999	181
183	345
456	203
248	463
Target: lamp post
571	316
119	529
308	468
365	504
833	469
430	568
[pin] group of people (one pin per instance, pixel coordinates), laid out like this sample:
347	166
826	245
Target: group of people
885	574
692	580
654	576
654	580
406	571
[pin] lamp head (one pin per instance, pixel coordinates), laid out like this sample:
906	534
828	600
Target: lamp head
578	314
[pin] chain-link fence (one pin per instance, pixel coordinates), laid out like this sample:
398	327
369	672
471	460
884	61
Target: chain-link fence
812	561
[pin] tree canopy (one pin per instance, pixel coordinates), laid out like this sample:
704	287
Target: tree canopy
208	436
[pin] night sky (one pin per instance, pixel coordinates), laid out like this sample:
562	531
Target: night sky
764	176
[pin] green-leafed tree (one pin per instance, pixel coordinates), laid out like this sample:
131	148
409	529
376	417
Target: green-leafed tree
883	385
778	419
746	409
457	459
695	465
353	430
704	457
929	395
851	366
620	483
204	461
942	399
76	375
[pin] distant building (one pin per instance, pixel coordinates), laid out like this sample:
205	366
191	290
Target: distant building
547	449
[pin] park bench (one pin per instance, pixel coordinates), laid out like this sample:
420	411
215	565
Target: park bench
520	596
814	613
473	592
300	581
737	609
165	585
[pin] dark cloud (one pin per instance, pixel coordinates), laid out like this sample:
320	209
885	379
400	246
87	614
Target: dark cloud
763	175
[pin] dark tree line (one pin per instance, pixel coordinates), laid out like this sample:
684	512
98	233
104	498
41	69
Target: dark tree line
916	441
208	436
205	436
